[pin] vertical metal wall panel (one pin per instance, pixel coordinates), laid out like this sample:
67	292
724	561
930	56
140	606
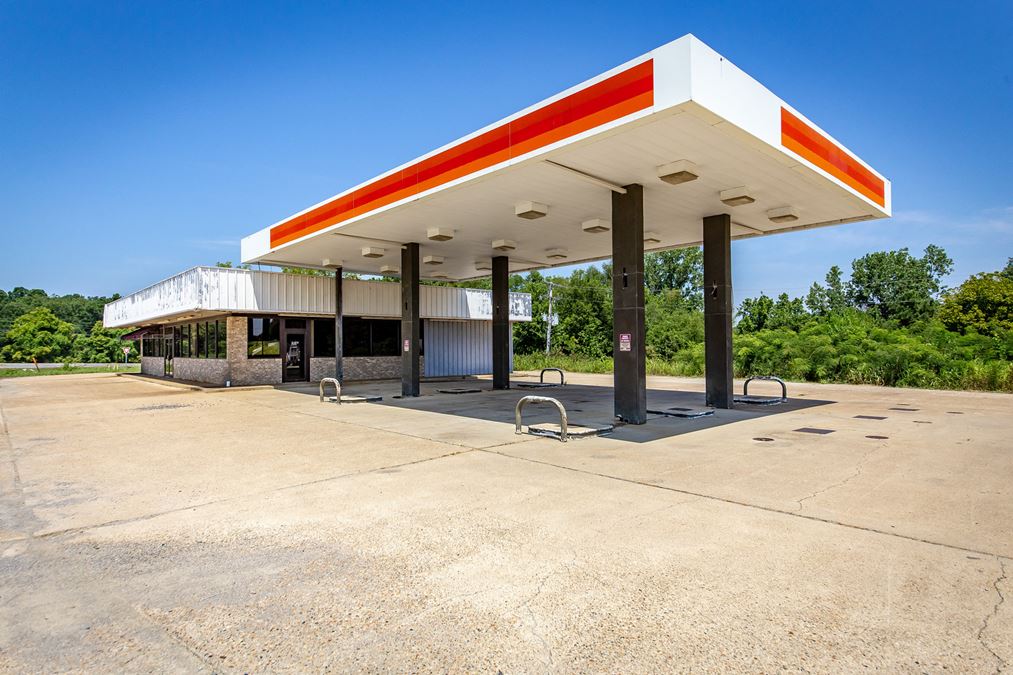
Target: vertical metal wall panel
459	348
237	290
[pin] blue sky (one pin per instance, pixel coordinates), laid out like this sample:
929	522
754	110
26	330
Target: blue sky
140	138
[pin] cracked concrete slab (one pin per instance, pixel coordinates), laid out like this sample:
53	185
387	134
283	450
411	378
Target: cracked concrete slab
199	538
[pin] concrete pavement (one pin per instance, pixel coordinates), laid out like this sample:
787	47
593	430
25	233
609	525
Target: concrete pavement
152	528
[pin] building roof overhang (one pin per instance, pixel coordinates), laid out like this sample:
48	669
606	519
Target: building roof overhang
679	111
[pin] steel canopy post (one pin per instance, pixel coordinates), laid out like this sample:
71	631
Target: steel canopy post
339	366
410	320
500	322
717	304
629	354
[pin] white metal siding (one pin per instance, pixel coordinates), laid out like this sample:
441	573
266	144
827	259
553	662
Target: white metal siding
218	289
459	348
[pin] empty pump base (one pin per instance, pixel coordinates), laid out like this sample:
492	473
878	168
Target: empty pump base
572	430
763	400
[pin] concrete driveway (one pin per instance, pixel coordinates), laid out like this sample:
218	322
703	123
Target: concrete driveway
151	528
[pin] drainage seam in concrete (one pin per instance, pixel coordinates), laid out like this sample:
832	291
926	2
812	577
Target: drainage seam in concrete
191	507
390	431
768	509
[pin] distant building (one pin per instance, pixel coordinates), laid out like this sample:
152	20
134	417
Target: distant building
233	326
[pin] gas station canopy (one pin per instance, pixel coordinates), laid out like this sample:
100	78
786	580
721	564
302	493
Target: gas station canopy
700	136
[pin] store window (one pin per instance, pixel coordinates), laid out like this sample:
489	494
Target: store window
222	340
323	337
361	337
262	337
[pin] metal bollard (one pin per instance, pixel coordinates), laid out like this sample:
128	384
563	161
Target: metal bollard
772	378
337	388
562	379
540	399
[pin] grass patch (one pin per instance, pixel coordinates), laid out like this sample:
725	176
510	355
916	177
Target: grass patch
68	370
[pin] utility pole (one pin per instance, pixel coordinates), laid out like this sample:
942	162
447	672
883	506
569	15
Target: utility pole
548	323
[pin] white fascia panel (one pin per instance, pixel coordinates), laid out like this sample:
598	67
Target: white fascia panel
723	92
672	73
255	245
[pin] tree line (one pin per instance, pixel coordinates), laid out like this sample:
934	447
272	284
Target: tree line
43	328
891	322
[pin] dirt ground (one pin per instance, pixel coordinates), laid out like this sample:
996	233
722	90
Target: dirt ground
145	527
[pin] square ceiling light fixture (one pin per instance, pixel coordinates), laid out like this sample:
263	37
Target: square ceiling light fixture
738	196
439	234
530	210
596	225
432	260
678	172
372	252
504	244
557	254
783	214
483	265
389	269
651	238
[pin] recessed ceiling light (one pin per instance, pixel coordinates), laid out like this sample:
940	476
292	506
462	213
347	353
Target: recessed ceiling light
439	234
557	253
504	244
530	210
652	238
432	260
783	214
483	265
738	196
596	225
389	269
372	252
678	172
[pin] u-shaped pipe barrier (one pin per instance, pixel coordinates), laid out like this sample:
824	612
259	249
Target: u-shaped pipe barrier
562	378
772	378
337	388
540	399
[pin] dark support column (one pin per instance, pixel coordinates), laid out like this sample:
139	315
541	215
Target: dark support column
500	323
630	369
410	321
339	313
717	308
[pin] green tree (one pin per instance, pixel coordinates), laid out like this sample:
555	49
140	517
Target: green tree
584	305
671	326
101	345
787	313
228	264
680	270
898	286
38	336
983	303
754	314
529	336
822	300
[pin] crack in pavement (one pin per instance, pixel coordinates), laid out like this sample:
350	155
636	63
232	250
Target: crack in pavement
534	627
1000	662
858	471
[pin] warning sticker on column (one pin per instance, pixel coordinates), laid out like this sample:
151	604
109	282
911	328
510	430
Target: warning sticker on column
625	342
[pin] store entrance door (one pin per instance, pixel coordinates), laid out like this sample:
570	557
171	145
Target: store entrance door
168	345
295	362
